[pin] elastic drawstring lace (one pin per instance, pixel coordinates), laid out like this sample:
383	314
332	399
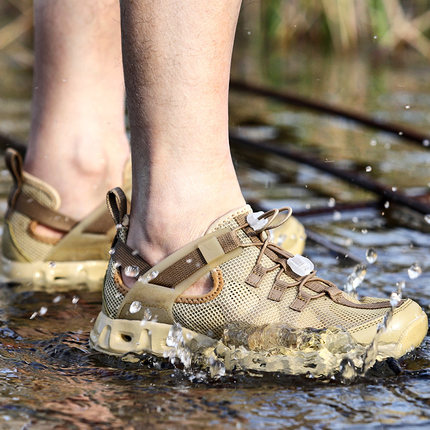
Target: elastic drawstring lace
273	221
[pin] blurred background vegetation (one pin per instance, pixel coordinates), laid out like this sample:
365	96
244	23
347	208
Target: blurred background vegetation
339	26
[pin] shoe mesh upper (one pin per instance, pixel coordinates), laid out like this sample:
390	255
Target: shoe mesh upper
239	301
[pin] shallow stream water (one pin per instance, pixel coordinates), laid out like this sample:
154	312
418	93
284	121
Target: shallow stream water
49	377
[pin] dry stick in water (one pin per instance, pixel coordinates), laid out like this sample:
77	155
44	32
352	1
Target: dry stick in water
293	99
350	177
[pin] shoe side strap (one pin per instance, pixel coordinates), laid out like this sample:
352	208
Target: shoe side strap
167	280
26	205
31	208
204	252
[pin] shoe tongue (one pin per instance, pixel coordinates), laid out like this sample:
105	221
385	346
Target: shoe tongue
228	220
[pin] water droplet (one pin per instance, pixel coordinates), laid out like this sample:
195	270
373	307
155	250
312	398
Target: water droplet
394	189
400	287
52	264
375	37
371	255
394	299
331	202
355	278
407	107
43	310
147	314
189	260
427	218
118	226
131	271
426	142
57	299
249	33
75	300
414	271
337	216
386	205
153	275
135	306
112	251
364	231
148	278
33	315
400	133
373	142
368	169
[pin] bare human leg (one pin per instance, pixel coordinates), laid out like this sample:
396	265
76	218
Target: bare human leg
77	141
177	64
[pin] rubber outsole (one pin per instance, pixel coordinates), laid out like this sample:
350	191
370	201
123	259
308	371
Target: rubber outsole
55	276
119	336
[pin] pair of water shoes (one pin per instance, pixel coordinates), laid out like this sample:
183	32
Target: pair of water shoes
258	276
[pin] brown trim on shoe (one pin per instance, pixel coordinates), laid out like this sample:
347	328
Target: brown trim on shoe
218	284
29	207
119	283
32	231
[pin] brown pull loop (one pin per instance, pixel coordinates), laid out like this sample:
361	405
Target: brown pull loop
14	165
116	202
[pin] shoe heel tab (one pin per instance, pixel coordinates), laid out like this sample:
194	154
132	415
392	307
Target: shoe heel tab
116	202
14	165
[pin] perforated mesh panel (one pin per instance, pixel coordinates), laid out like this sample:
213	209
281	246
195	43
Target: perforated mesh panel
241	302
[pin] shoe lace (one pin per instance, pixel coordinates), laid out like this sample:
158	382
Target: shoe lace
279	256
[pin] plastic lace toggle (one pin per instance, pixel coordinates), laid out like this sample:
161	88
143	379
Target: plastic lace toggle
255	223
300	265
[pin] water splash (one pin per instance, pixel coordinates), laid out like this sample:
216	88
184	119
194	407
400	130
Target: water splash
355	279
371	256
131	271
415	271
135	307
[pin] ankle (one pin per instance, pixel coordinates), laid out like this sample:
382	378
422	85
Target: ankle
81	170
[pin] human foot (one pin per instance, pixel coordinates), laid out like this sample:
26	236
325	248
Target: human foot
254	281
76	257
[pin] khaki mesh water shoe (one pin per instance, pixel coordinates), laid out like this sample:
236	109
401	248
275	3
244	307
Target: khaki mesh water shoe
254	282
79	259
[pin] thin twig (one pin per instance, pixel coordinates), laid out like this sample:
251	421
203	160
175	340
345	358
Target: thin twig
293	99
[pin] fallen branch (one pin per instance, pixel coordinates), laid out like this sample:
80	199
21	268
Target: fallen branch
293	99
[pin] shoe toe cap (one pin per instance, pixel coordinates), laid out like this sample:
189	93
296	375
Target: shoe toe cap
405	331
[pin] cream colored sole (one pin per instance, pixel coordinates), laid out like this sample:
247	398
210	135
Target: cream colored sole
118	337
55	276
